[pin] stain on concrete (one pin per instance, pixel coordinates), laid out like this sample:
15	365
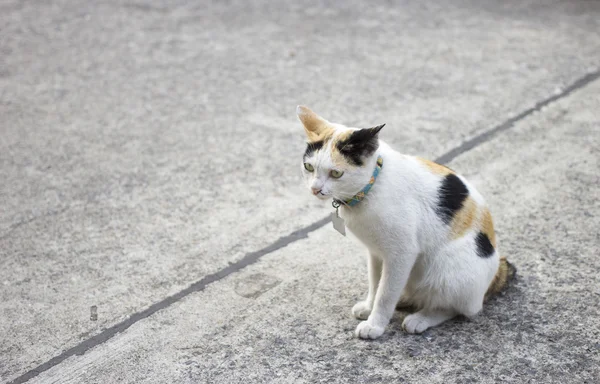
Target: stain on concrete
255	285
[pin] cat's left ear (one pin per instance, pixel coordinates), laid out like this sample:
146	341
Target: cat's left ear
365	136
360	144
373	132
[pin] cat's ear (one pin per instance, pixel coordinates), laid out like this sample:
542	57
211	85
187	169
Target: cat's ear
364	137
315	126
371	133
360	144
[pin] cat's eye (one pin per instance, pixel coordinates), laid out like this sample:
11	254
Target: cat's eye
336	174
309	167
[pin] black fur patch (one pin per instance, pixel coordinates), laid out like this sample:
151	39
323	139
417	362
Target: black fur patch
313	147
484	246
452	194
360	144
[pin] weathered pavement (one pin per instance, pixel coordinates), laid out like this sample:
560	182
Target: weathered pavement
145	147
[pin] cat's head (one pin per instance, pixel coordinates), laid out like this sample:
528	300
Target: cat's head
338	161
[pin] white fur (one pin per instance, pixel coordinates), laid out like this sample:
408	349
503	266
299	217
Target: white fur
410	254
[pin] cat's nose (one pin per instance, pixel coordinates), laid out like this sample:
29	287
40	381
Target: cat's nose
316	191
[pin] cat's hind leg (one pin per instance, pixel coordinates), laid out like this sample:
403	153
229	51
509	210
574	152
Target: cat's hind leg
454	283
418	322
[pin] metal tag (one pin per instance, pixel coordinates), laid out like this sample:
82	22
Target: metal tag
338	223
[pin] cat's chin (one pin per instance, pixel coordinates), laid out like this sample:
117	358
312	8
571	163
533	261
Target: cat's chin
323	197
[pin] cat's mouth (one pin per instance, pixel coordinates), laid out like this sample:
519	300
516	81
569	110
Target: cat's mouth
322	196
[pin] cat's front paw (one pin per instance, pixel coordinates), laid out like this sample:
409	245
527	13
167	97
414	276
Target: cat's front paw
361	310
365	330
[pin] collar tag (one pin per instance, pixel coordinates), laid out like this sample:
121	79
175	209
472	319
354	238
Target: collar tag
338	222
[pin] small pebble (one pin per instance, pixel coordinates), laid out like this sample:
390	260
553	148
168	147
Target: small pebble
93	313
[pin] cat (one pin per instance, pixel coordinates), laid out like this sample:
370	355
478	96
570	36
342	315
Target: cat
428	231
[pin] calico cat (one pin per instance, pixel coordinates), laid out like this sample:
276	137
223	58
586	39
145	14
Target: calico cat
429	233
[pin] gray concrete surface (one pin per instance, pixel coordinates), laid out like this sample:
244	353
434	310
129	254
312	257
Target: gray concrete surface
144	146
287	318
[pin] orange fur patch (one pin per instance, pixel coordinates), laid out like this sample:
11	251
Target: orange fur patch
464	218
435	168
487	226
323	134
505	273
343	135
336	156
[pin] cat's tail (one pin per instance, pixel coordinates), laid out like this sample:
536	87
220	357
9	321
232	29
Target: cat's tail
506	272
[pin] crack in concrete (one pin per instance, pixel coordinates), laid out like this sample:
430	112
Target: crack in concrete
488	135
282	242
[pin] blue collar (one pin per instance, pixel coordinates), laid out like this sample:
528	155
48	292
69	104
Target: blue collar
363	192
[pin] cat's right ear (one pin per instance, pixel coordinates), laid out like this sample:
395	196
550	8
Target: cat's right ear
316	127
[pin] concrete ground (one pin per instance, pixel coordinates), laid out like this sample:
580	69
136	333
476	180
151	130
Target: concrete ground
150	167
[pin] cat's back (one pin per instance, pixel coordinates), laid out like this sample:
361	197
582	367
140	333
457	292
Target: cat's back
426	179
445	201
